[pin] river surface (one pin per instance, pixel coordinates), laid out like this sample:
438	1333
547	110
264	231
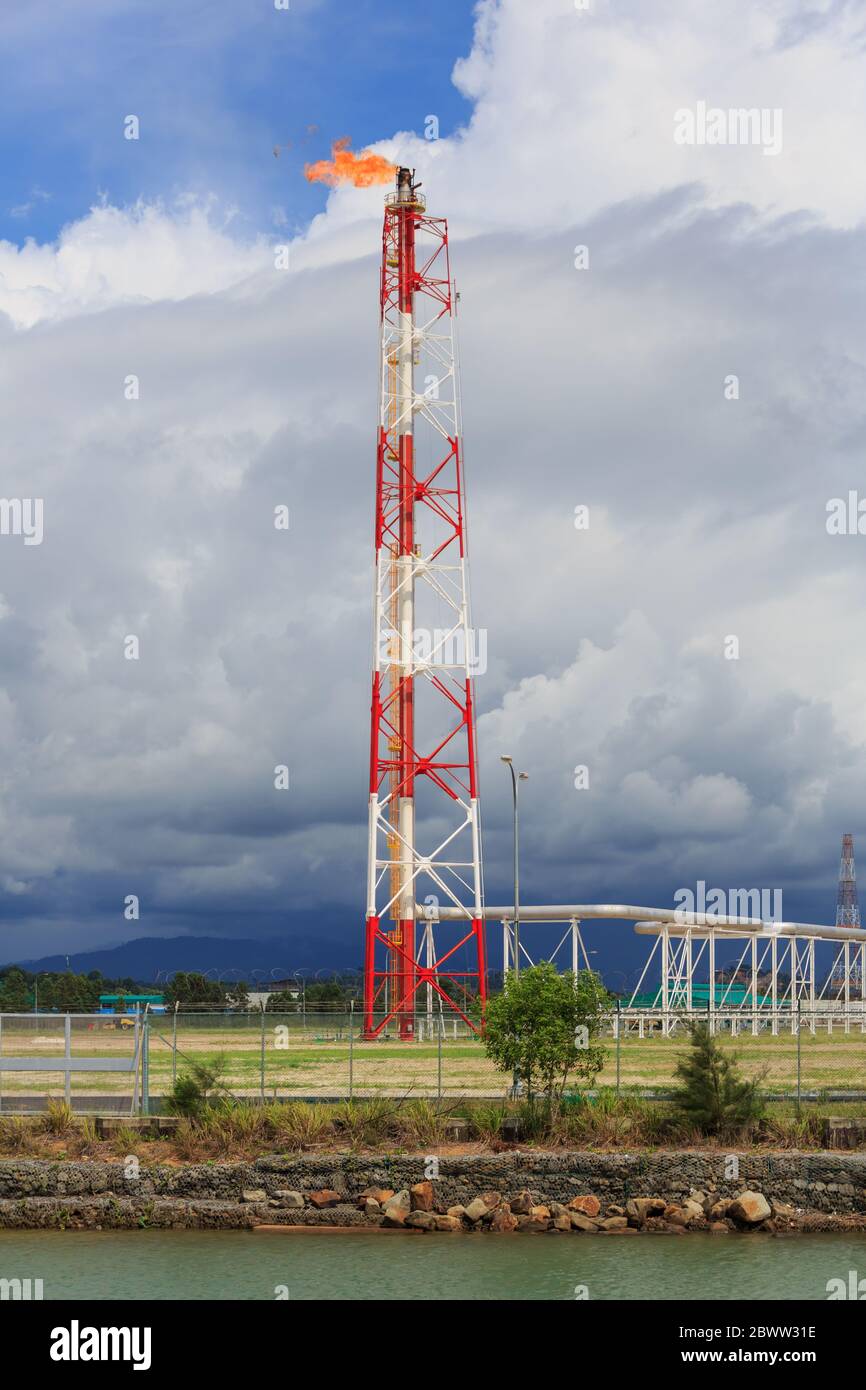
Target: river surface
344	1265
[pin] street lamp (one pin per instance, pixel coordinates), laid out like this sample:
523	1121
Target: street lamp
515	778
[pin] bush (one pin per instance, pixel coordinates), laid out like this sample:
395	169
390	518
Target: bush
195	1088
713	1096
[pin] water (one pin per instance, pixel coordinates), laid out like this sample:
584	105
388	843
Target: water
344	1265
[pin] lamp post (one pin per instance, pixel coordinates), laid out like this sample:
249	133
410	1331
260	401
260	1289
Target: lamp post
516	777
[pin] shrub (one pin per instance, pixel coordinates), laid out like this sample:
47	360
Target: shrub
713	1096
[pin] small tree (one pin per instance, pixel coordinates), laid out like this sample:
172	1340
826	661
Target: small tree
196	1087
714	1096
545	1027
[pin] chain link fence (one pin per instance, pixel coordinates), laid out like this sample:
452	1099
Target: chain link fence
119	1064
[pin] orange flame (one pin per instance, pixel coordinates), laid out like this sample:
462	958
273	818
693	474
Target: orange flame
361	170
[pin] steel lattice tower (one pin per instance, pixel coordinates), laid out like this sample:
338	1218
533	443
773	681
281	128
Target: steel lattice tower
847	905
424	838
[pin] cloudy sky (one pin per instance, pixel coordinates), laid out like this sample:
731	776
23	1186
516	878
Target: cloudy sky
696	378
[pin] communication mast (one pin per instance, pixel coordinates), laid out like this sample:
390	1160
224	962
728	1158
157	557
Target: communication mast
424	846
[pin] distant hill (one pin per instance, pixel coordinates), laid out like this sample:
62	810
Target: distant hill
142	958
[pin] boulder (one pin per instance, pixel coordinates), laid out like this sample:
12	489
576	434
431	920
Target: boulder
521	1205
637	1209
782	1211
254	1194
287	1198
614	1210
476	1210
325	1197
421	1196
457	1211
370	1207
579	1222
719	1210
587	1206
750	1209
719	1228
491	1199
541	1212
614	1223
532	1223
379	1194
503	1219
448	1223
562	1222
396	1209
421	1220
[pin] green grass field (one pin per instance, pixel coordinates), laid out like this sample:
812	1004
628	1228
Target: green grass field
316	1061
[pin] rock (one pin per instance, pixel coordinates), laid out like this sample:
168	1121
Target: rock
254	1194
421	1196
782	1211
396	1209
588	1206
750	1208
531	1223
639	1208
491	1199
289	1198
614	1223
579	1222
371	1207
540	1213
719	1210
557	1208
562	1222
503	1219
476	1210
379	1194
521	1205
614	1210
718	1228
448	1223
326	1197
457	1211
678	1216
422	1220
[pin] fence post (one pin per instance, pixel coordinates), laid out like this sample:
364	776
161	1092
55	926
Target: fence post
145	1065
439	1033
351	1043
68	1042
262	1059
618	1043
174	1045
799	1058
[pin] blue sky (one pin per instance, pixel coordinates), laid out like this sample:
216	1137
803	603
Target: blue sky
602	387
216	84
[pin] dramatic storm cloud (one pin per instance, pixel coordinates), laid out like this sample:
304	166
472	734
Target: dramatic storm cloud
695	647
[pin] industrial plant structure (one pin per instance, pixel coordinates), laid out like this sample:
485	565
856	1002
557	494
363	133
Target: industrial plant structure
425	916
424	836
